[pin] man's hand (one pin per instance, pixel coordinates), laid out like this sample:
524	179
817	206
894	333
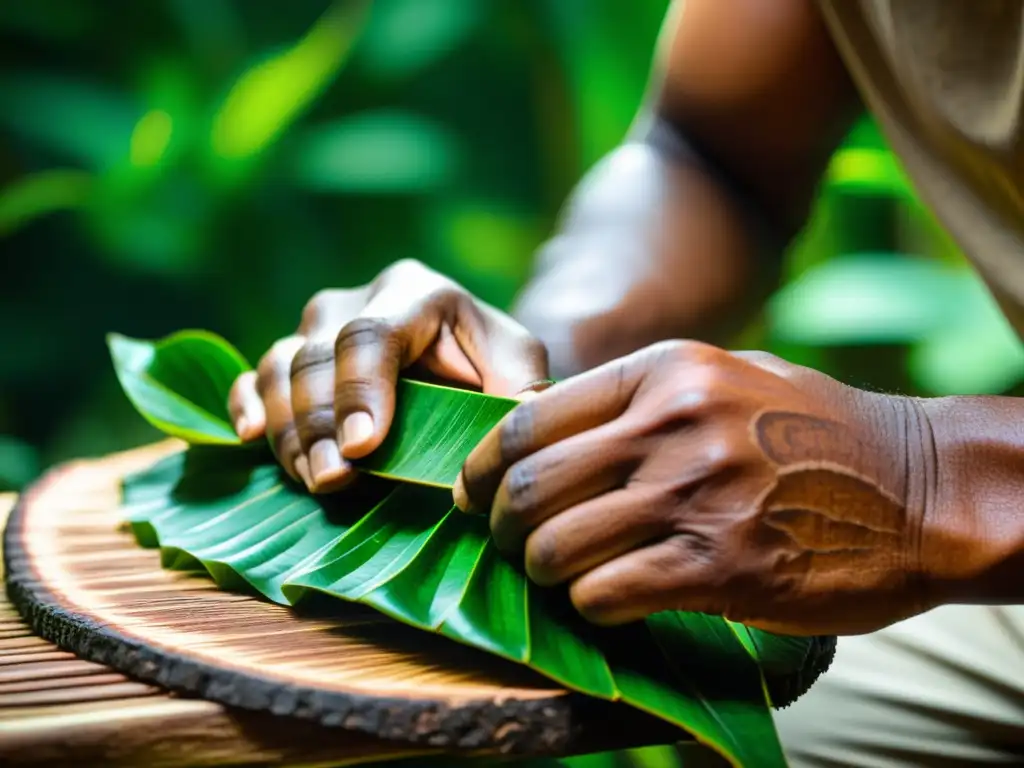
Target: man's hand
686	477
327	393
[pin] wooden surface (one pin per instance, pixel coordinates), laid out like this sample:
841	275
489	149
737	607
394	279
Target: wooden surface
59	710
88	586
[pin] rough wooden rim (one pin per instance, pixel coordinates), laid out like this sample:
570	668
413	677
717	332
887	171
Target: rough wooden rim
56	709
541	719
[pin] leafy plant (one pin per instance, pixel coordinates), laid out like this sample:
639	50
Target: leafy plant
396	543
957	338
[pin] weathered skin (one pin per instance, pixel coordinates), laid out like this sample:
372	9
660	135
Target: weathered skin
673	474
686	477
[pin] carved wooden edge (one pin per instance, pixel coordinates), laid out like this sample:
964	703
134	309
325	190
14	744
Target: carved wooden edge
557	725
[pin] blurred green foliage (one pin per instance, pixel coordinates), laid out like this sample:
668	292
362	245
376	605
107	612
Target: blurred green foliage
212	163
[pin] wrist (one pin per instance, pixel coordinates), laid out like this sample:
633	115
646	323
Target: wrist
972	542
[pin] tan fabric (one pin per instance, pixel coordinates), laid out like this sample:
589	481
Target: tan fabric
945	80
940	690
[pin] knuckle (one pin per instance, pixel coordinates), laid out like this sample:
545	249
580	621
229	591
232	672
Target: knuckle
703	386
284	441
405	269
274	364
534	348
720	453
452	298
695	548
542	561
353	388
758	357
313	422
516	432
362	332
593	604
311	357
316	308
675	351
520	482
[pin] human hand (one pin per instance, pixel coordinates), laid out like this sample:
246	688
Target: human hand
327	393
685	477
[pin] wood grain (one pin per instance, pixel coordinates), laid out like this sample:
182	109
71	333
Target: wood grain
85	584
57	709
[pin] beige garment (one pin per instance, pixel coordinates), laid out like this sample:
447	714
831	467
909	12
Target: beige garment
945	80
940	690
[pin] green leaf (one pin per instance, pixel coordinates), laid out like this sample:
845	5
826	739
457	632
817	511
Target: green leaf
864	298
413	452
402	549
41	193
180	383
977	353
271	95
77	119
403	36
376	152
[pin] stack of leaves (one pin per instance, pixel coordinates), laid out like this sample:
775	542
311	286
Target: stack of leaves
396	543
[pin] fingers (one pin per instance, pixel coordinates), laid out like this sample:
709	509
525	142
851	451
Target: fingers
369	353
592	533
312	382
544	484
246	408
669	575
569	408
273	384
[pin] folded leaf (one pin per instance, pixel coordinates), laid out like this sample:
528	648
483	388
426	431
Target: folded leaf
180	384
404	550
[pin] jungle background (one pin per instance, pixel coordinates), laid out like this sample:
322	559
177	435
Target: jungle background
211	163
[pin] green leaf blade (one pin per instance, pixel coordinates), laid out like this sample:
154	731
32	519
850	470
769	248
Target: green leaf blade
563	647
492	612
180	383
433	433
430	585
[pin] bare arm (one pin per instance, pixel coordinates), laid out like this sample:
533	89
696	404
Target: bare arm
679	232
973	496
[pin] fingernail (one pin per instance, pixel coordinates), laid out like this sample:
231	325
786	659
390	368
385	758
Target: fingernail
325	462
241	427
459	495
356	429
302	469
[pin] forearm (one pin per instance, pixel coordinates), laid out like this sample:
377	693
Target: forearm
655	243
975	522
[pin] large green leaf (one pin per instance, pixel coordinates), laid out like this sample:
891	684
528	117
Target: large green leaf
402	548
